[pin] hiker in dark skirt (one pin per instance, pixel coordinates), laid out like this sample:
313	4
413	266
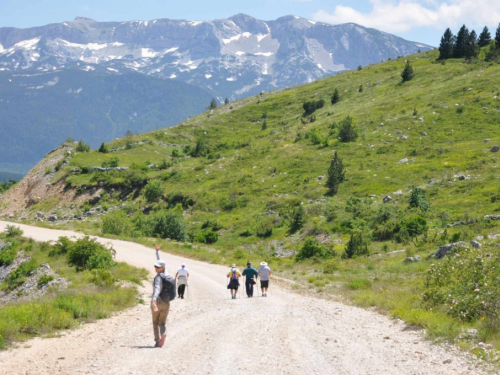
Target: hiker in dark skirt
233	276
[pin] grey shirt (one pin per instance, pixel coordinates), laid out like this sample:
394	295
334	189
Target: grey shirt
264	273
158	282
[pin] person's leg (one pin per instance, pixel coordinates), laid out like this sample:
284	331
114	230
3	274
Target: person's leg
182	288
156	330
251	288
163	310
247	287
179	291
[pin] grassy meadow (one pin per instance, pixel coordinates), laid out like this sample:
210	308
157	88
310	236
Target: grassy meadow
243	170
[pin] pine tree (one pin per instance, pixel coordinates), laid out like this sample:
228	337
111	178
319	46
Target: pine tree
298	219
347	131
446	45
213	104
408	73
335	96
360	88
264	125
497	37
226	101
460	47
103	148
471	45
484	38
336	175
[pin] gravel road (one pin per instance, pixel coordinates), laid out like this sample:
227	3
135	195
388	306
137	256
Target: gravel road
207	333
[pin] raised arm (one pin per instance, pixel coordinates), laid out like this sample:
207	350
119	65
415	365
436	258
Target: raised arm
158	252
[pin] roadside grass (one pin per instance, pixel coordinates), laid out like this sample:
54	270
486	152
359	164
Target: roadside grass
257	177
90	295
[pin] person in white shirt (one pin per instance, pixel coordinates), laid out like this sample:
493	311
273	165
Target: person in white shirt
182	276
264	273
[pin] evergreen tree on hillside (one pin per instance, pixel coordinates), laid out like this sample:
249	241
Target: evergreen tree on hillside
103	148
226	101
335	96
484	38
336	175
461	42
408	73
497	37
446	45
471	45
213	104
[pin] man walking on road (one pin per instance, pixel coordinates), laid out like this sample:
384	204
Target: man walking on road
264	272
159	306
250	273
233	276
182	276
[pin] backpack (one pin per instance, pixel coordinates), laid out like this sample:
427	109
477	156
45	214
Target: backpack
169	290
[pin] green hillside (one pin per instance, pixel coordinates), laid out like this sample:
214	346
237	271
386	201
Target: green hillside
242	185
39	110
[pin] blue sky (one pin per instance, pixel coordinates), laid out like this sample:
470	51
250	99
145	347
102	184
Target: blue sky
419	20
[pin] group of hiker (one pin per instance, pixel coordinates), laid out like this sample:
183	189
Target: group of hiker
164	289
251	275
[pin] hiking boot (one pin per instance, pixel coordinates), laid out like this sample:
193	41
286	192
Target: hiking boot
162	341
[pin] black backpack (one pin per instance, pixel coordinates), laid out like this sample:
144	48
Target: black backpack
169	291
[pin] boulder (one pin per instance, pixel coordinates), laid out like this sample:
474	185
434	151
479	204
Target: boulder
492	217
475	244
432	181
416	258
486	140
96	198
52	218
321	177
461	177
403	161
443	250
387	199
495	149
404	137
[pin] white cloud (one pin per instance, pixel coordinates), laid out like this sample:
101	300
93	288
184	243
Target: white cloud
404	15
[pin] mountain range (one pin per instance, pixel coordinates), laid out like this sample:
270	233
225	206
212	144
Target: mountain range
95	80
234	58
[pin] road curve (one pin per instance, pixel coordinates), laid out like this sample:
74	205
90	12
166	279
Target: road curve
207	333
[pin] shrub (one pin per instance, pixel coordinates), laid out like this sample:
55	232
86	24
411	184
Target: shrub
311	248
465	285
153	191
201	147
298	219
164	165
45	279
176	153
357	246
18	276
311	106
330	266
415	226
264	228
13	231
175	197
166	224
240	254
82	147
116	223
417	199
103	148
209	237
113	162
87	253
347	131
335	97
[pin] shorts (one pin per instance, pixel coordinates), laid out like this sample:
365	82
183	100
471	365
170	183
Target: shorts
233	284
264	283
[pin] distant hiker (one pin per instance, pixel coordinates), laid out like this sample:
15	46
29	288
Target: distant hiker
182	276
250	274
233	276
264	273
163	293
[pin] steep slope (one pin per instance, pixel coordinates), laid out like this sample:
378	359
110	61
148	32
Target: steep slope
248	182
234	58
39	110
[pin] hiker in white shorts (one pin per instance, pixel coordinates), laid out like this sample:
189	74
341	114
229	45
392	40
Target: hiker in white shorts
182	276
264	273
